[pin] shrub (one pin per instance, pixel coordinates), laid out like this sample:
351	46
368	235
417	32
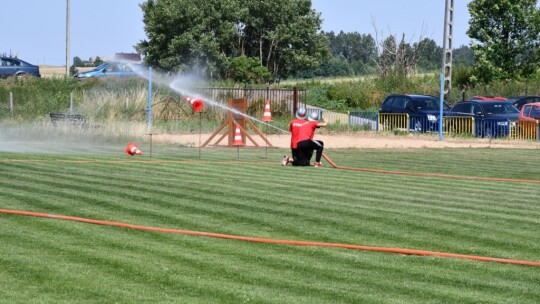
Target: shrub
247	70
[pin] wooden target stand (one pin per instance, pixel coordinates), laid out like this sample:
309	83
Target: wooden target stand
239	105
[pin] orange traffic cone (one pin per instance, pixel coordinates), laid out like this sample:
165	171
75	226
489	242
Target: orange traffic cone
238	137
132	149
267	116
196	103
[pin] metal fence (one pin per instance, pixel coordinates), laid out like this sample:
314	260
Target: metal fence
365	119
283	100
525	130
458	125
407	122
461	126
393	122
487	128
369	120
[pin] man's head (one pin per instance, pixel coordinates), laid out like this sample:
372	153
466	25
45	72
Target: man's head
301	113
313	116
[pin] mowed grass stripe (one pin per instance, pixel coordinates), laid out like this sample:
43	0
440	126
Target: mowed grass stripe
192	269
250	216
242	191
355	207
489	162
203	259
483	161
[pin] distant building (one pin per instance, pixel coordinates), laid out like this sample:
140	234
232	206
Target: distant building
128	56
119	57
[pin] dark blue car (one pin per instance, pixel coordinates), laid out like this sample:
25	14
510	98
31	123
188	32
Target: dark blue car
520	101
492	118
423	110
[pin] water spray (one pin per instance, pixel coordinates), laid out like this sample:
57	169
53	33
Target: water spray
183	86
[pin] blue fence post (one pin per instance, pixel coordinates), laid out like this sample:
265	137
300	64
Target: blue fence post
441	103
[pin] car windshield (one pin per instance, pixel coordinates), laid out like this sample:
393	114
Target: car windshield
427	104
101	66
500	108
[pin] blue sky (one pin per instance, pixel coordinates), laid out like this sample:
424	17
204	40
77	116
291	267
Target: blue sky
35	30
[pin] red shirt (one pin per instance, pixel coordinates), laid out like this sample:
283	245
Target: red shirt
307	131
294	127
301	130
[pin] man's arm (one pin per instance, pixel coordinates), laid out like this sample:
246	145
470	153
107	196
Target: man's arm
322	123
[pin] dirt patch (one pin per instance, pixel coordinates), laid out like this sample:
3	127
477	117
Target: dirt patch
48	71
361	140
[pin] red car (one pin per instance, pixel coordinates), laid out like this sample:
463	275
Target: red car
481	97
528	120
530	112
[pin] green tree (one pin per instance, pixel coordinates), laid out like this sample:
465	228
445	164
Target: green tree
188	35
77	62
283	35
98	61
335	66
430	54
463	56
247	70
505	37
359	50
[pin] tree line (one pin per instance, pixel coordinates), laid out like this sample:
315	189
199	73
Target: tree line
355	54
259	41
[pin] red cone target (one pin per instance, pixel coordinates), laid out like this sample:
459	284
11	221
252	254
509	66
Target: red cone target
196	103
132	149
267	116
238	137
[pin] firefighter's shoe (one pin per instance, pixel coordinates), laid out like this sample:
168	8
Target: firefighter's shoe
286	160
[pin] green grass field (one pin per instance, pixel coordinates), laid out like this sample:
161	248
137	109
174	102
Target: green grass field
56	261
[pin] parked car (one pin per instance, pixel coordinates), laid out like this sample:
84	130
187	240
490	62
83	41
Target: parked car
492	118
110	69
530	112
10	66
520	101
423	110
529	118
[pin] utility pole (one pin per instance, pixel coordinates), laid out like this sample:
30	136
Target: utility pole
67	36
446	66
446	69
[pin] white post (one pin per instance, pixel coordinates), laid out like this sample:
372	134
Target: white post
71	103
11	103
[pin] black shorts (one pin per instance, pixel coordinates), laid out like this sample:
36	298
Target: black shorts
305	150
